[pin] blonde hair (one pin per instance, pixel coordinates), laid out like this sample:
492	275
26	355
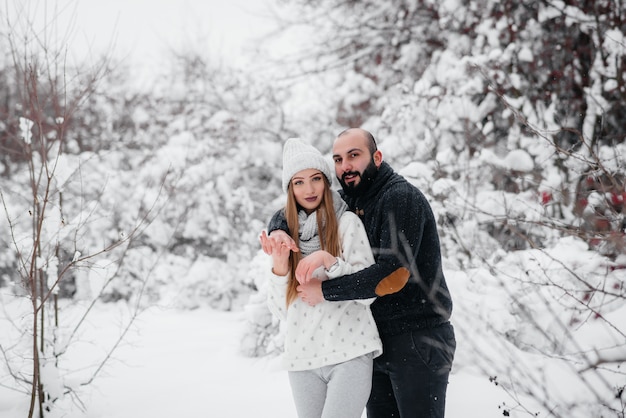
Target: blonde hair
328	231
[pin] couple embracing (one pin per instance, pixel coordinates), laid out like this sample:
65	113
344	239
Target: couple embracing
357	281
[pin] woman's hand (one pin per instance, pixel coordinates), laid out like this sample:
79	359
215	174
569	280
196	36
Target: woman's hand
310	263
279	252
279	236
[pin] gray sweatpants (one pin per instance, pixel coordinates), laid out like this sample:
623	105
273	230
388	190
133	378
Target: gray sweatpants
336	391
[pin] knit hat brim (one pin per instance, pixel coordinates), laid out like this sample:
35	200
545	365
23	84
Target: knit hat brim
298	156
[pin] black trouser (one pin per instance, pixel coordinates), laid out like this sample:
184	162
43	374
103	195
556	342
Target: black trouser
411	376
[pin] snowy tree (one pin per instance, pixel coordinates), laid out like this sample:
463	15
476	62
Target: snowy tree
59	237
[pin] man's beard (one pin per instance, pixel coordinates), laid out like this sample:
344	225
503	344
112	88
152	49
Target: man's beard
367	178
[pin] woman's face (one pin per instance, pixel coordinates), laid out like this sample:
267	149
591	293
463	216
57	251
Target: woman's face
308	188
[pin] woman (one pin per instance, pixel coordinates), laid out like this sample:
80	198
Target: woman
330	347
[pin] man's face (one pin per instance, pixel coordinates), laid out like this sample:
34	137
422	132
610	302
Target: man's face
355	167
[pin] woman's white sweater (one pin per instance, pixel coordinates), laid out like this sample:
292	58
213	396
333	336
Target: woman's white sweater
330	332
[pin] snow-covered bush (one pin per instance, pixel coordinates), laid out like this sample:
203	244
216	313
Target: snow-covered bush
262	332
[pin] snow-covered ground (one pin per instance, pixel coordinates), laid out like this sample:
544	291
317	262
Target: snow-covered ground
187	364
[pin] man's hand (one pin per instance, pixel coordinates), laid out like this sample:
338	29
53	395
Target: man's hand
277	238
311	292
310	263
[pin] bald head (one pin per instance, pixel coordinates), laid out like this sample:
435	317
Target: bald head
366	136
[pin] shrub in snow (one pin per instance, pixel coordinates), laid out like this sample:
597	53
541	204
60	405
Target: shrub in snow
261	333
213	282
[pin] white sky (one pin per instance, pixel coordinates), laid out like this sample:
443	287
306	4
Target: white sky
145	26
142	30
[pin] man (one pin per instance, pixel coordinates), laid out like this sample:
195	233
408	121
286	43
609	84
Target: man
413	307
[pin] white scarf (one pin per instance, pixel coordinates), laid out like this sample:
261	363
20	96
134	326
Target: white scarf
309	238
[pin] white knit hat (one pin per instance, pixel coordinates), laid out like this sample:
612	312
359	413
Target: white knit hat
298	156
